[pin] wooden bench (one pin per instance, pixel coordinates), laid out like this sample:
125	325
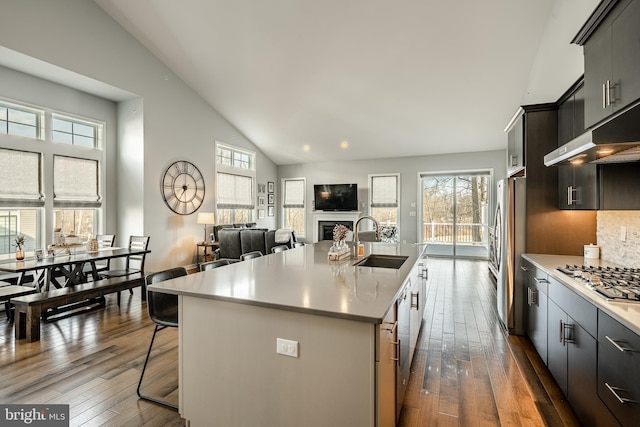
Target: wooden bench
8	291
30	308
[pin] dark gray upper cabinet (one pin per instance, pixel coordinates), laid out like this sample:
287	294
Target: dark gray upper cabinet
515	144
577	184
611	40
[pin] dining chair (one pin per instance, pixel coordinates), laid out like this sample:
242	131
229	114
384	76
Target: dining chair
134	263
279	248
250	255
163	311
137	243
213	264
104	241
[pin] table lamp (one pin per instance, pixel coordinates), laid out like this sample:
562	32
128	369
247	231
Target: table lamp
205	218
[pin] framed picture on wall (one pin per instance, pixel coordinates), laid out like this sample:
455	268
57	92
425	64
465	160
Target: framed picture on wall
261	201
270	210
270	187
260	213
271	198
261	188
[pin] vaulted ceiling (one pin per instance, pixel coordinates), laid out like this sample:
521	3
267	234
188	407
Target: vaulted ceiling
302	78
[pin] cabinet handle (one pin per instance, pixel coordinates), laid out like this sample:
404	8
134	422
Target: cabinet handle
397	358
568	327
570	199
618	346
604	96
523	268
534	296
425	274
609	88
417	304
393	328
614	390
529	296
562	332
539	280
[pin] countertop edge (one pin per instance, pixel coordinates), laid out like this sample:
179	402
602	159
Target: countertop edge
275	306
600	303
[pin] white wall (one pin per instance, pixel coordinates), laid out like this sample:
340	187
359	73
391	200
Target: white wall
170	121
408	167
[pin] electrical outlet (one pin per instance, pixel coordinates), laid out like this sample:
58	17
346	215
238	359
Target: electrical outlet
287	347
623	233
412	213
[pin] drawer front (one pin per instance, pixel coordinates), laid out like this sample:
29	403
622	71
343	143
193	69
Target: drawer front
619	369
579	309
540	279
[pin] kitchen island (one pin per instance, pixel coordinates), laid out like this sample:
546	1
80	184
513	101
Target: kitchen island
340	321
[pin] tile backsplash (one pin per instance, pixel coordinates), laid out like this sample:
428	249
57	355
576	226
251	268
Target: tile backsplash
612	248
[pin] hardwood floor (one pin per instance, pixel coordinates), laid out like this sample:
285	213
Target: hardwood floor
465	372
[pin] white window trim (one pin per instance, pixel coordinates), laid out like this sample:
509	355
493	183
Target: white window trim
304	202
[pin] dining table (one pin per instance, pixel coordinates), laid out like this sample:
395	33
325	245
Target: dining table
63	270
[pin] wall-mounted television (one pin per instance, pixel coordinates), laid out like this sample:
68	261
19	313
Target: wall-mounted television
335	197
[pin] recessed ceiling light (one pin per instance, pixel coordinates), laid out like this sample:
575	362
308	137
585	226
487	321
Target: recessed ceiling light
306	147
344	144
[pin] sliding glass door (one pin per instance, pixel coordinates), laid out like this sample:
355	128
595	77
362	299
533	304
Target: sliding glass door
455	214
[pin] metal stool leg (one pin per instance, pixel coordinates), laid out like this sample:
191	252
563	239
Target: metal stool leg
146	361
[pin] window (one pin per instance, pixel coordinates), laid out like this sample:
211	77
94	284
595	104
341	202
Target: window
14	222
294	205
235	178
383	198
20	121
75	182
75	132
455	213
20	179
78	221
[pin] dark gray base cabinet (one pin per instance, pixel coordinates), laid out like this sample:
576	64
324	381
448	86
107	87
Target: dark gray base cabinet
536	307
619	369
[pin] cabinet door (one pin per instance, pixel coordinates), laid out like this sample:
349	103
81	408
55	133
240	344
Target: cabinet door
626	56
597	70
556	347
386	367
537	322
582	379
515	147
619	369
418	299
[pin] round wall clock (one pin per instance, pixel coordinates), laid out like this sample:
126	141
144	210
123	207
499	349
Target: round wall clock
183	187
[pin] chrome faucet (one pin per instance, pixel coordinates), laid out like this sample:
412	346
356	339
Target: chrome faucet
356	241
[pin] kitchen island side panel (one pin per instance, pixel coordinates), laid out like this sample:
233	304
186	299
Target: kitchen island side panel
231	375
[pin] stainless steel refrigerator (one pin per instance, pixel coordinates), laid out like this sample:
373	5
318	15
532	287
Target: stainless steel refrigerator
509	232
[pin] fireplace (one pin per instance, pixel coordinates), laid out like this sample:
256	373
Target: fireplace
325	228
329	220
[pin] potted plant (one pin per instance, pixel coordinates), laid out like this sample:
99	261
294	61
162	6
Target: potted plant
20	246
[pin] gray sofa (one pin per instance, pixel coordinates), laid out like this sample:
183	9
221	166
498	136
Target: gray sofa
233	242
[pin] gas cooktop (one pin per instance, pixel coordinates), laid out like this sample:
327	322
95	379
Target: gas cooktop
613	283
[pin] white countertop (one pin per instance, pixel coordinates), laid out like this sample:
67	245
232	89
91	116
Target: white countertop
303	280
627	313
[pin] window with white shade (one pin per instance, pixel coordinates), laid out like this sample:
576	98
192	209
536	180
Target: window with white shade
75	182
293	204
384	198
52	154
20	178
235	182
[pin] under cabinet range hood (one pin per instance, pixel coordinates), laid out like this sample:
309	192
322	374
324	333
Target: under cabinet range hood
615	141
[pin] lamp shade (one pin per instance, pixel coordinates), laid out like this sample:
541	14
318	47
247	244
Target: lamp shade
205	218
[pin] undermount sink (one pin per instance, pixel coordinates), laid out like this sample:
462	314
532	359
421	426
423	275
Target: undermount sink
382	261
